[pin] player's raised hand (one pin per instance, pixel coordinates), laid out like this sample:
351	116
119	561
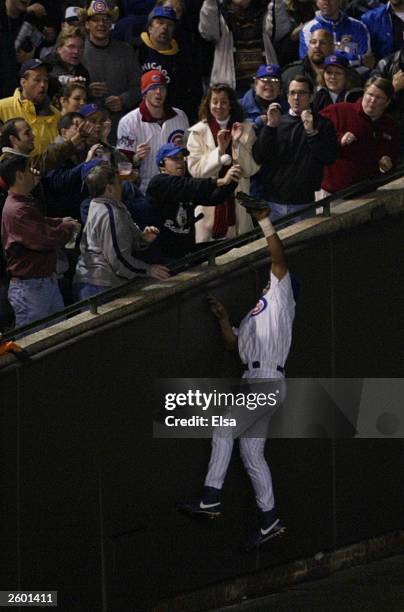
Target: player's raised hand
217	308
260	214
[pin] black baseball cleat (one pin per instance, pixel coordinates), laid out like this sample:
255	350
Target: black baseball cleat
260	537
201	510
207	506
250	203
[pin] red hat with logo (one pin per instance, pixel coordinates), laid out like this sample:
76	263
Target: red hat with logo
150	79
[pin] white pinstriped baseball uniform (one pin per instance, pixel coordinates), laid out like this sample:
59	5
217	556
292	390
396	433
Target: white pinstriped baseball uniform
133	130
264	336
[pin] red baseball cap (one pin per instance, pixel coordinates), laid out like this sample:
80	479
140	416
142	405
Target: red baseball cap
152	78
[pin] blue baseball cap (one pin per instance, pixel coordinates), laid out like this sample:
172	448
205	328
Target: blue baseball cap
88	109
336	59
86	167
268	71
33	64
163	12
169	150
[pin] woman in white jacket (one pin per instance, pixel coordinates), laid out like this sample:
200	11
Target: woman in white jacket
218	139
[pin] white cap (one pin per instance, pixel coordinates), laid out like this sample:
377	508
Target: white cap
72	12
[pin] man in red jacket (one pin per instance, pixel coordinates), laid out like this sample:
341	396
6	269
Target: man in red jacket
368	139
30	241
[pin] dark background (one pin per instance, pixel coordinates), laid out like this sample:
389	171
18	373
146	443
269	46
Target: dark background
88	497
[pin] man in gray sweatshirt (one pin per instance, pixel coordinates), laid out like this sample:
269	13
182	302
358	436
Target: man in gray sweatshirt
110	238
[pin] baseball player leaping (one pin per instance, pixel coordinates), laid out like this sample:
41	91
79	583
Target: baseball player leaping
263	340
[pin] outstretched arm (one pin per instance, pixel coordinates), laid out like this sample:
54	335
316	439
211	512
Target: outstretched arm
279	267
220	312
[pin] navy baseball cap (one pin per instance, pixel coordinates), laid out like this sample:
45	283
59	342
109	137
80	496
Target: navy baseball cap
163	12
336	59
169	150
268	71
88	166
33	64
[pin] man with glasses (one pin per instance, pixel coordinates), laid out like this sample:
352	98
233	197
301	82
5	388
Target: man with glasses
296	146
368	139
112	64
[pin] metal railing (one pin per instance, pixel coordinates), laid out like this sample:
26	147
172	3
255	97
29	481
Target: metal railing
207	254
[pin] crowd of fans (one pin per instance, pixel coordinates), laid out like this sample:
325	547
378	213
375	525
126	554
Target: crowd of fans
128	126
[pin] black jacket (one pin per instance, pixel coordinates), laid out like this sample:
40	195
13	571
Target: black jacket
295	160
173	199
387	68
61	73
323	98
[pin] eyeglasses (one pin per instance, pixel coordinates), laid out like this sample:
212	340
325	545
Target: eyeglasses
299	93
376	98
268	80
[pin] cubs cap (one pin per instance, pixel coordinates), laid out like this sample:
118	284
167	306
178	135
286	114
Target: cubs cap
163	12
150	79
102	7
33	64
88	109
336	59
169	150
269	71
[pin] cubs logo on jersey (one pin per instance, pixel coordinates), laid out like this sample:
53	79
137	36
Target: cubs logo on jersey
260	307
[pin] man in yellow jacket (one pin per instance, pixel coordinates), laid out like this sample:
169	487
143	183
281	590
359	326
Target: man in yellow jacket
30	101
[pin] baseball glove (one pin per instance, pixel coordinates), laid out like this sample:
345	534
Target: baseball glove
250	203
